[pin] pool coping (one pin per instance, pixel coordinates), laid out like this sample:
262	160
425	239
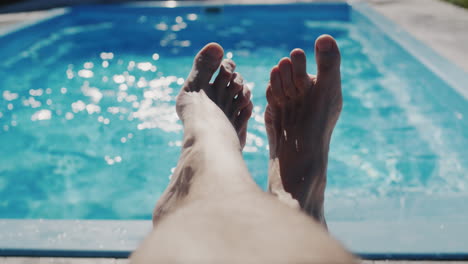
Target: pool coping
449	72
49	14
118	238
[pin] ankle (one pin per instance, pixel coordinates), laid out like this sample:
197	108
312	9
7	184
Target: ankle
211	135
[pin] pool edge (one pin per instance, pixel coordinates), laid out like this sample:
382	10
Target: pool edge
118	238
71	238
49	14
442	67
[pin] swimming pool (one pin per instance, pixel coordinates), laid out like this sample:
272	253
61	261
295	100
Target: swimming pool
89	131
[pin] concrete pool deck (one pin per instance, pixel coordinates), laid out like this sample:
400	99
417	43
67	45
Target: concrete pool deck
439	25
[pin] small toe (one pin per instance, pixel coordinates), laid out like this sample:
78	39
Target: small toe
300	77
244	115
242	100
222	80
235	87
205	64
241	122
269	94
285	68
276	86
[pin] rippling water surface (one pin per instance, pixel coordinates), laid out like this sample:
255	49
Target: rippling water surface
88	127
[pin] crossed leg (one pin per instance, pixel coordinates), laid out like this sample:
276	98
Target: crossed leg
212	211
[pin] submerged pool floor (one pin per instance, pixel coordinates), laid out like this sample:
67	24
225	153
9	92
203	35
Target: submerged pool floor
88	126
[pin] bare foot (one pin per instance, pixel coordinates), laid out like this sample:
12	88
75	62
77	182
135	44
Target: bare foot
300	116
207	129
228	91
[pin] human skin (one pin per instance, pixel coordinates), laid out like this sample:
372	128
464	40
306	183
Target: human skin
212	211
301	114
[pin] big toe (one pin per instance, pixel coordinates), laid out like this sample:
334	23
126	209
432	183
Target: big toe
204	66
327	56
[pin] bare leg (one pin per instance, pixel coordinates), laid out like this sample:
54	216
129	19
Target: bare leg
208	132
213	212
301	114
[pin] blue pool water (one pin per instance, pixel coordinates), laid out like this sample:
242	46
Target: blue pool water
88	127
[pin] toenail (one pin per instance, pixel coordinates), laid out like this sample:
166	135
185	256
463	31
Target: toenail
228	66
324	44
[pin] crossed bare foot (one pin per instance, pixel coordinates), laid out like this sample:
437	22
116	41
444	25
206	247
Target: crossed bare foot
227	91
199	106
300	116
